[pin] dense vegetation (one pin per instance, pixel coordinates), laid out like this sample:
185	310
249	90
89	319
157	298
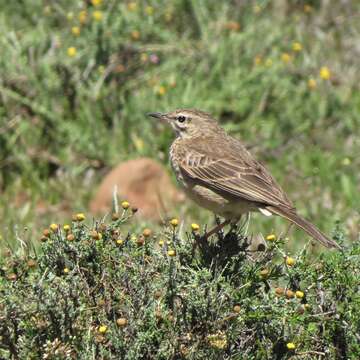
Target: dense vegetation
78	77
98	293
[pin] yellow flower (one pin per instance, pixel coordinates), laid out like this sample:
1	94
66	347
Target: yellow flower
257	60
82	16
279	291
218	341
312	84
135	34
80	217
271	237
102	329
71	51
54	227
12	277
195	227
96	235
97	15
144	57
46	232
147	232
257	9
161	90
125	205
119	241
121	322
66	270
325	73
296	46
66	228
70	237
70	15
174	222
286	58
171	253
268	62
115	216
75	30
161	242
149	10
264	273
132	6
291	346
290	261
96	2
308	8
47	10
346	161
31	263
138	142
299	294
101	69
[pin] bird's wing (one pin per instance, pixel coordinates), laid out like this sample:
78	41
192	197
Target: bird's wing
227	167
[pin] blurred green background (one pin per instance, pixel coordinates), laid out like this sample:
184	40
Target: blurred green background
78	77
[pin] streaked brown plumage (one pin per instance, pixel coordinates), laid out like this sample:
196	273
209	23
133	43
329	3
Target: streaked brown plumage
219	174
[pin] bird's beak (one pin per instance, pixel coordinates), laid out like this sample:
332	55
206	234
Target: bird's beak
156	115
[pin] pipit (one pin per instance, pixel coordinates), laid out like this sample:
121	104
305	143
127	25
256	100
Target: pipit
220	174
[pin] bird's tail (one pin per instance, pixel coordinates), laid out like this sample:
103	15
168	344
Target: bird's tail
304	224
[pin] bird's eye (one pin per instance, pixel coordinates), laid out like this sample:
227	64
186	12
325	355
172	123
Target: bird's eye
181	118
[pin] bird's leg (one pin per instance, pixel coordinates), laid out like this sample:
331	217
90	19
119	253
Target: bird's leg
216	229
288	230
247	222
234	223
217	220
220	233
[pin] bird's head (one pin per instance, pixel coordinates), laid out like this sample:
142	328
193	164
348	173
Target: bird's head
189	123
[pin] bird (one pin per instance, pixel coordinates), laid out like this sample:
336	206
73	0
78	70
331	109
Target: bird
220	174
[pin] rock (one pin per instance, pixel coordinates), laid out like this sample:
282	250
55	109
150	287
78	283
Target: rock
144	183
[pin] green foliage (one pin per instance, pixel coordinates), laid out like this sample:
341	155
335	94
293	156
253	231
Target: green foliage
103	293
65	120
73	104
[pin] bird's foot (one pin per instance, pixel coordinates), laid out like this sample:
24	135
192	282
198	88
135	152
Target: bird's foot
216	229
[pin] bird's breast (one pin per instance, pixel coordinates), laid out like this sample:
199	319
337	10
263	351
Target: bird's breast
175	161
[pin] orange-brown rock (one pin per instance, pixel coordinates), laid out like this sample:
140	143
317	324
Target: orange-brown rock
144	183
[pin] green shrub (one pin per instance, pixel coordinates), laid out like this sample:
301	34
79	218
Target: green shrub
65	120
96	292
